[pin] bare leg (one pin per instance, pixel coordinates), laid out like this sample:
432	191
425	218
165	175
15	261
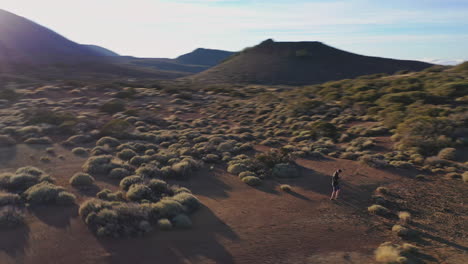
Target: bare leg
336	194
332	195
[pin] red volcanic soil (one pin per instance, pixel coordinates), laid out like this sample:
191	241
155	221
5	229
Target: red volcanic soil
237	223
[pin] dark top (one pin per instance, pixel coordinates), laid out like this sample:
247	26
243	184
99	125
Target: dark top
335	178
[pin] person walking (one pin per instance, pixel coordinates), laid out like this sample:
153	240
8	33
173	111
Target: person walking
336	184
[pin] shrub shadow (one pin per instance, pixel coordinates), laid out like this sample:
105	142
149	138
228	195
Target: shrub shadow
14	241
205	182
57	216
201	242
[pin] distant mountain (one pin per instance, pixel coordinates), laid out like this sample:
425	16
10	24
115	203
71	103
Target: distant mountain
23	41
299	63
206	57
101	51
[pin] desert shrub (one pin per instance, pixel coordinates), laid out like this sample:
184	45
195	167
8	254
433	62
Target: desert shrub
382	190
405	217
273	157
118	173
166	208
81	180
375	161
115	219
164	224
80	151
116	127
98	164
9	199
185	167
189	201
113	106
126	93
427	134
320	129
108	195
305	107
361	143
23	178
6	141
237	168
9	94
10	218
159	187
285	170
401	164
349	155
148	171
400	230
138	192
126	182
465	176
252	180
45	193
182	221
211	158
285	187
109	141
377	209
45	116
38	141
65	198
387	253
126	154
245	174
407	248
447	153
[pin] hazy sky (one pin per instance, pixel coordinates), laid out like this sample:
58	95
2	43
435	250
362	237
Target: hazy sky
406	29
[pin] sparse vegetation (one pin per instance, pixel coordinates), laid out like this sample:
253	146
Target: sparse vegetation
81	180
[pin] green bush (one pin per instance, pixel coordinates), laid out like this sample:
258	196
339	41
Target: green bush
138	192
321	129
113	106
80	151
119	173
189	201
23	178
81	180
9	199
109	141
45	116
378	210
182	221
10	218
126	182
252	180
98	165
164	224
126	154
285	187
116	127
447	153
166	208
39	141
47	193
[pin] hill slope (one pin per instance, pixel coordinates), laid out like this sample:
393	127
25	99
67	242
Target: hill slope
207	57
300	63
23	41
101	51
